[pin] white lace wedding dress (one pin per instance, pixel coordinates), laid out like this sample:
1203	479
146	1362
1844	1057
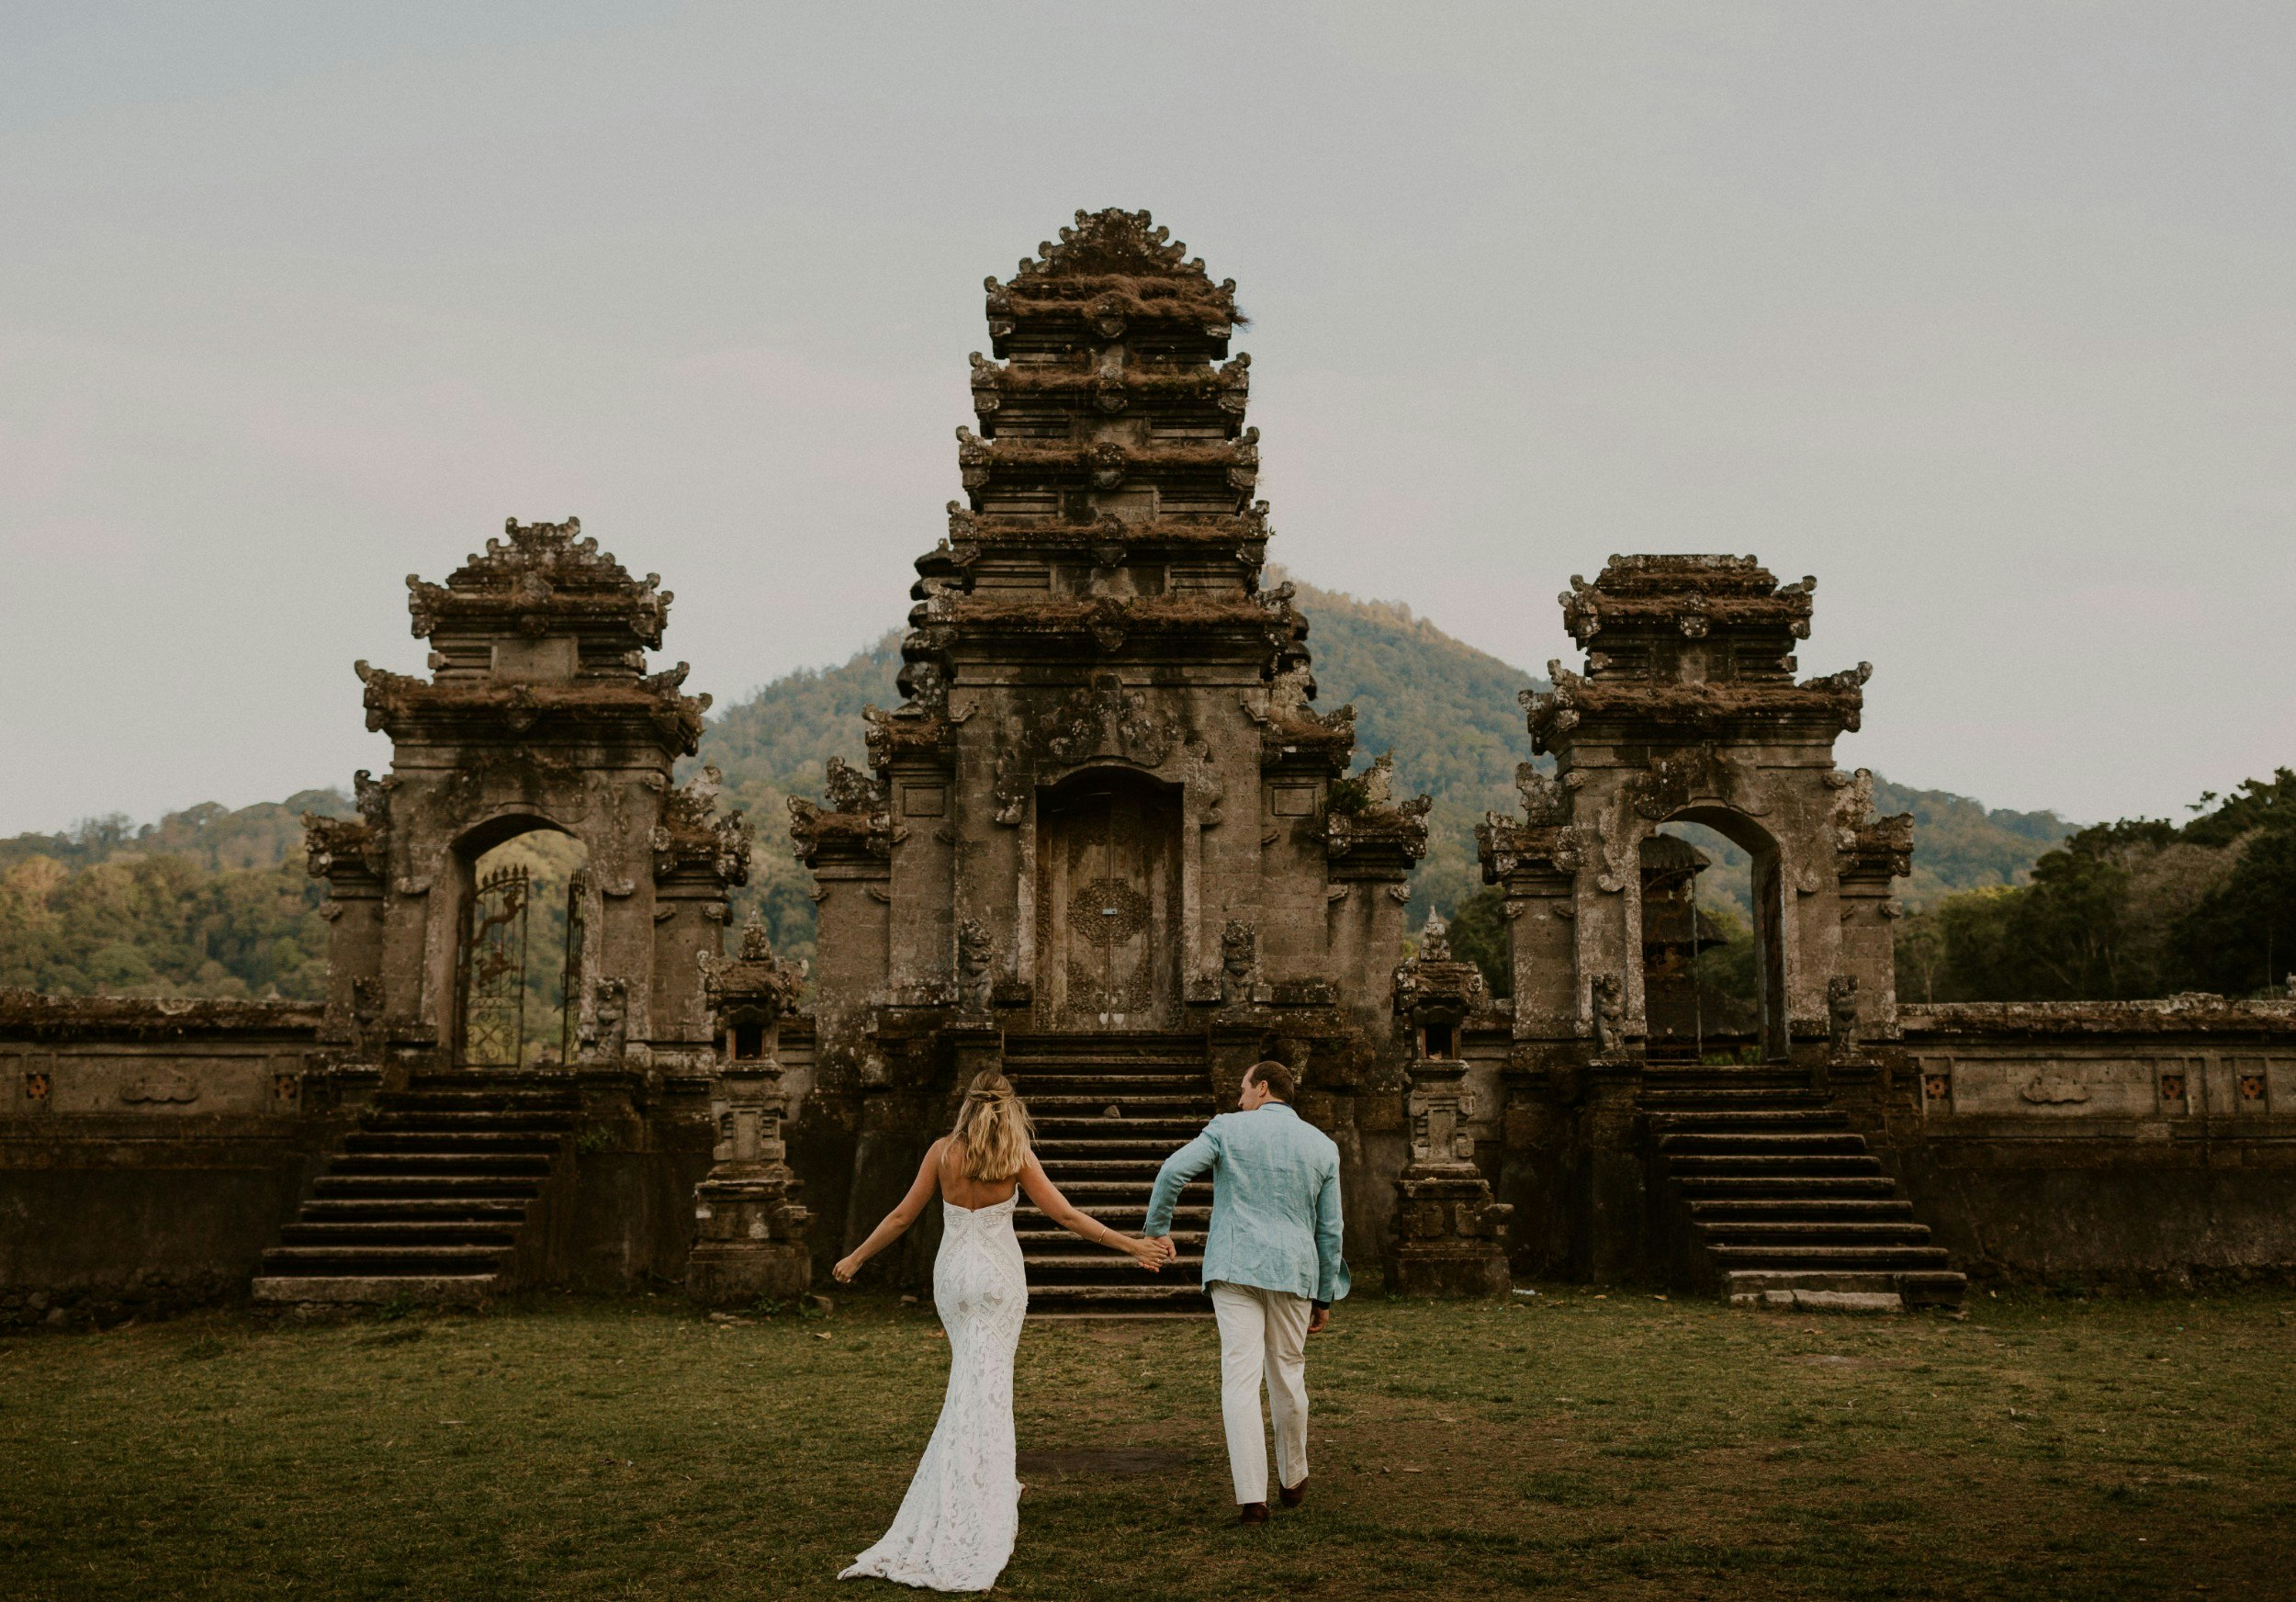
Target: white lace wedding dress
956	1526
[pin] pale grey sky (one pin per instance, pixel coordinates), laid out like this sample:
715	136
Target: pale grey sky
1986	314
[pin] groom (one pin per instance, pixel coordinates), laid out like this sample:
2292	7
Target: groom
1271	1265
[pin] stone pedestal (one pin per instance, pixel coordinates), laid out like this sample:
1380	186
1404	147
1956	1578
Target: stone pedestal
1450	1236
738	1258
750	1233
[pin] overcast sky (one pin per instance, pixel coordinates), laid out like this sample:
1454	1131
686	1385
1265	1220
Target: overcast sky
1983	314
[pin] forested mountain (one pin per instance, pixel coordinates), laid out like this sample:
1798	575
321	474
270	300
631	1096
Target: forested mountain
206	902
92	909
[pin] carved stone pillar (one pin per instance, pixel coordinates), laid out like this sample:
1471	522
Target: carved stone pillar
750	1232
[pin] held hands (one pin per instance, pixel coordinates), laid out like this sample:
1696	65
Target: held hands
847	1267
1149	1253
1160	1251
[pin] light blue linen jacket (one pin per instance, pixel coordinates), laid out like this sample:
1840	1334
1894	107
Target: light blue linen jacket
1275	1202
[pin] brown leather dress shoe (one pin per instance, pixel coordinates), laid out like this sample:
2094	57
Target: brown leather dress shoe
1252	1513
1295	1495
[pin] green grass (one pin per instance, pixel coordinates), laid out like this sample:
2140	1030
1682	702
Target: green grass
1566	1445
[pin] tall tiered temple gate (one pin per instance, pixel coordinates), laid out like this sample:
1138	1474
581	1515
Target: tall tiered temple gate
1104	839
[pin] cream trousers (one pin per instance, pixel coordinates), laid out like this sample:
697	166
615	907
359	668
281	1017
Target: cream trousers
1263	1333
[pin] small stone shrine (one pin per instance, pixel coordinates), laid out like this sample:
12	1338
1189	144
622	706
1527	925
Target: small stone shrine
1450	1236
750	1233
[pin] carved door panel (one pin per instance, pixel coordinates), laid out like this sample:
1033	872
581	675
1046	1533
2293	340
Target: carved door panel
1108	895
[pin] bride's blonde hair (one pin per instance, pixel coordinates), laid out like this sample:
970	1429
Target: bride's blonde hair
994	1129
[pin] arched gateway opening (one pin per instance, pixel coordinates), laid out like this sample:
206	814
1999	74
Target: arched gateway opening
1704	992
1108	894
522	940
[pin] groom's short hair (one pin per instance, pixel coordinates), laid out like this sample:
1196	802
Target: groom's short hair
1275	1076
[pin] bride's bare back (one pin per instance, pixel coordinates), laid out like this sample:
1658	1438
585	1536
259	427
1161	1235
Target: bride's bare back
957	1186
943	1171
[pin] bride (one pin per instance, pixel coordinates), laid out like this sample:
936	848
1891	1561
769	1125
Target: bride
956	1526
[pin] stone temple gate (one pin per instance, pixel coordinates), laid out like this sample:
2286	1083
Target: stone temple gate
1105	839
1108	841
1689	711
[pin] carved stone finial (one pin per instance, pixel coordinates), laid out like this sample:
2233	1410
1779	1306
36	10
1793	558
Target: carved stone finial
1435	940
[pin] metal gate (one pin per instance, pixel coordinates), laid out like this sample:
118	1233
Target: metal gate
493	1028
570	977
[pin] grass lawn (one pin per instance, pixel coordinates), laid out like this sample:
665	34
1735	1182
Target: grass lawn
1620	1446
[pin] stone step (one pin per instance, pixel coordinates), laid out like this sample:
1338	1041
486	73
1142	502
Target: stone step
521	1081
1102	1088
1763	1142
459	1164
1118	1143
1723	1080
1933	1287
508	1102
364	1289
1177	1041
1716	1101
367	1232
1145	1105
474	1141
1091	1193
1104	1268
1139	1170
1827	1256
413	1210
1172	1133
1810	1232
1737	1120
429	1186
1120	1214
1819	1290
1144	1290
1049	1238
384	1260
1767	1164
1841	1207
426	1197
1773	1187
443	1122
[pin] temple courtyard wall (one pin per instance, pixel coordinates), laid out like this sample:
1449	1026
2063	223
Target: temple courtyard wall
151	1150
2147	1145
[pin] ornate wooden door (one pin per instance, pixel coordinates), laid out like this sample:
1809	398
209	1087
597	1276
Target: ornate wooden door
1107	901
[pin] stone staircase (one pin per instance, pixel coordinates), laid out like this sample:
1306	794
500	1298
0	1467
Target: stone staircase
426	1199
1109	1110
1776	1200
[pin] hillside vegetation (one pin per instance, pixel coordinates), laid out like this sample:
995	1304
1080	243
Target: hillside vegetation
210	901
2144	907
206	902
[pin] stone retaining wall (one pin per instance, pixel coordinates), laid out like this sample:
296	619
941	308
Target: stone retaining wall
2150	1143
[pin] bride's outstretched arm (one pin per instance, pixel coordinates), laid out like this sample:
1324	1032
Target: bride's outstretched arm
1049	1201
899	1219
